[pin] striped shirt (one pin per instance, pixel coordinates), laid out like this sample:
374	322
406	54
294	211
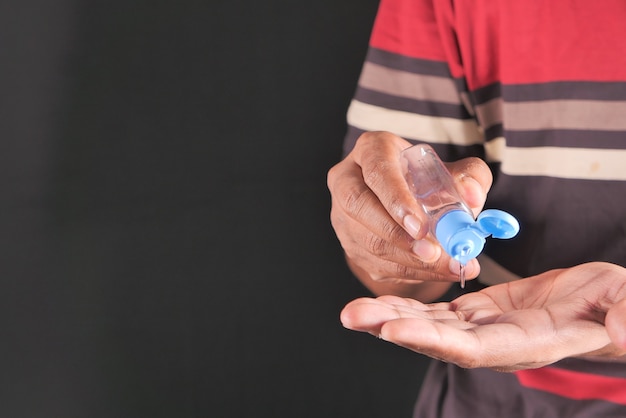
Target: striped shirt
538	90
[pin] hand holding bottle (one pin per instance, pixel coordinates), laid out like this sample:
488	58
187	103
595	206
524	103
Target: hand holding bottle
450	221
382	228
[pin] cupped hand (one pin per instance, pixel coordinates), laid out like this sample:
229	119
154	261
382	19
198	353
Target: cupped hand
523	324
378	222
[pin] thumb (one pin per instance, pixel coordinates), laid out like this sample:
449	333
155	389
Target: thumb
615	323
473	180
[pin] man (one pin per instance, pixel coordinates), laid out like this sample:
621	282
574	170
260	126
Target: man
536	90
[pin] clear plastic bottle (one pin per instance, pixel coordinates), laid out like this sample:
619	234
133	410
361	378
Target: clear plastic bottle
451	220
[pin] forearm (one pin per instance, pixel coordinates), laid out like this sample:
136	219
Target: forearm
422	291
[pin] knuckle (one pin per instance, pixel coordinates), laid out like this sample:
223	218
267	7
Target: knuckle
377	245
396	204
403	271
394	231
412	272
333	175
336	218
391	231
366	137
355	199
375	172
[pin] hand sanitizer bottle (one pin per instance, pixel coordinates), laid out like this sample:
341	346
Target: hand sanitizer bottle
451	220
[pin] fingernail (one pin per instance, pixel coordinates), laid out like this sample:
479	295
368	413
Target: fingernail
412	225
474	192
425	250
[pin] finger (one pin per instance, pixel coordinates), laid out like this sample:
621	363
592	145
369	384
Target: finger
383	260
440	340
381	257
378	156
367	314
413	308
353	200
400	301
380	269
501	346
355	203
616	324
366	187
358	238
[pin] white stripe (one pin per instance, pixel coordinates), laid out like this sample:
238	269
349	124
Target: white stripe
438	130
494	150
570	163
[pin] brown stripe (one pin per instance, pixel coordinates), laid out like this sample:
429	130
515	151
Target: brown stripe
565	114
489	113
410	85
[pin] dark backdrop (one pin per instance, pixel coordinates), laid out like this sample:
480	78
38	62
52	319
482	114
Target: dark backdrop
165	243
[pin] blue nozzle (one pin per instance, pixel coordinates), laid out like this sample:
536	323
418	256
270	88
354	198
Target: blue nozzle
463	238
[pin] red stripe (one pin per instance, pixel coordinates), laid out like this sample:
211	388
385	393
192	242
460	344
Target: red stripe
514	42
407	28
574	385
569	40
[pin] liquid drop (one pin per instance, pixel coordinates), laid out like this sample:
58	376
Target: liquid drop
462	275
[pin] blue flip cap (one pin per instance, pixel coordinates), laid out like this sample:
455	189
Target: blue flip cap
463	238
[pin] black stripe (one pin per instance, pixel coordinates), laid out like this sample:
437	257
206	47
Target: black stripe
567	138
487	393
455	152
558	90
598	368
494	131
572	90
461	84
408	64
422	107
561	225
484	94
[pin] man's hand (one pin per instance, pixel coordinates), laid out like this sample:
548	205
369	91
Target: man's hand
523	324
380	225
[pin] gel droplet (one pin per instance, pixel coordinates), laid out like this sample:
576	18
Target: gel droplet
462	275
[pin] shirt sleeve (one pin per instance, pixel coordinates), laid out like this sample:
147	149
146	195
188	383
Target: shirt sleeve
407	85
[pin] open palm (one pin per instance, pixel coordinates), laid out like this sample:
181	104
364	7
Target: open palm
523	324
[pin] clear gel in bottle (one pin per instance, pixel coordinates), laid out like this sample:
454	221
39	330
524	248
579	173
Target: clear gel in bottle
450	219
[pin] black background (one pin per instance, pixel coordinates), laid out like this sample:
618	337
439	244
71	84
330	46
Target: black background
165	243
